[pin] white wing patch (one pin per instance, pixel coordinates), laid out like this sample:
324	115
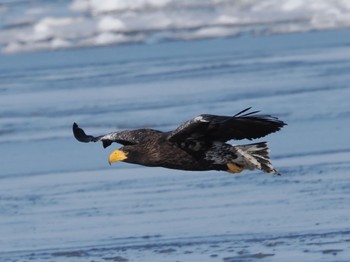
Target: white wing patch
200	119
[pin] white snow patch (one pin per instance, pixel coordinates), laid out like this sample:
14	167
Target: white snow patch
109	23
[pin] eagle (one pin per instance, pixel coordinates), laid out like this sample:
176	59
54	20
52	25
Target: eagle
199	144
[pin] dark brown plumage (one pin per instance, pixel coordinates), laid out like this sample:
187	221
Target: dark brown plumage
197	144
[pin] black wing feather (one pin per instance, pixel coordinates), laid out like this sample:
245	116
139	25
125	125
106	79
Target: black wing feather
126	137
243	125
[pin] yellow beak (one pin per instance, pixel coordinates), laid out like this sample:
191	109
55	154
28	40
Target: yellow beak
117	155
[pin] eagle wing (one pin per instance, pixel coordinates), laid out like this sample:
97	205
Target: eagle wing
243	125
126	137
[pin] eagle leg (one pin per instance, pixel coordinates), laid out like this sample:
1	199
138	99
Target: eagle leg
234	168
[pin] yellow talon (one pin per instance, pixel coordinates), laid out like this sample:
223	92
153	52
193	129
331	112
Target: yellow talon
234	168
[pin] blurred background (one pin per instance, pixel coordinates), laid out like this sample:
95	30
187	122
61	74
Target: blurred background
114	65
47	25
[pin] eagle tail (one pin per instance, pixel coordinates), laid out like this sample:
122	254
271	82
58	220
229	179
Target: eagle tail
255	156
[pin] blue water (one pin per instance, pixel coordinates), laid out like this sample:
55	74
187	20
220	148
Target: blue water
60	200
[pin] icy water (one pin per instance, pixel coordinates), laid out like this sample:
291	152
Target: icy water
61	201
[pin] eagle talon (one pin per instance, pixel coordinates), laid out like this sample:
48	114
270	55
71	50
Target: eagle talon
234	168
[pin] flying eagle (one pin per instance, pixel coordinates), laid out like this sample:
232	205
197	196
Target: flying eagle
197	144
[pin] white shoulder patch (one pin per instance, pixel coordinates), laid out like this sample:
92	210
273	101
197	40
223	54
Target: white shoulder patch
200	119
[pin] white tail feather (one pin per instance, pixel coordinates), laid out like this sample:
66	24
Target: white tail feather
254	156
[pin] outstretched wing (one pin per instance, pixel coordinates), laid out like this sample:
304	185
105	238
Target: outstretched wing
244	125
126	137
